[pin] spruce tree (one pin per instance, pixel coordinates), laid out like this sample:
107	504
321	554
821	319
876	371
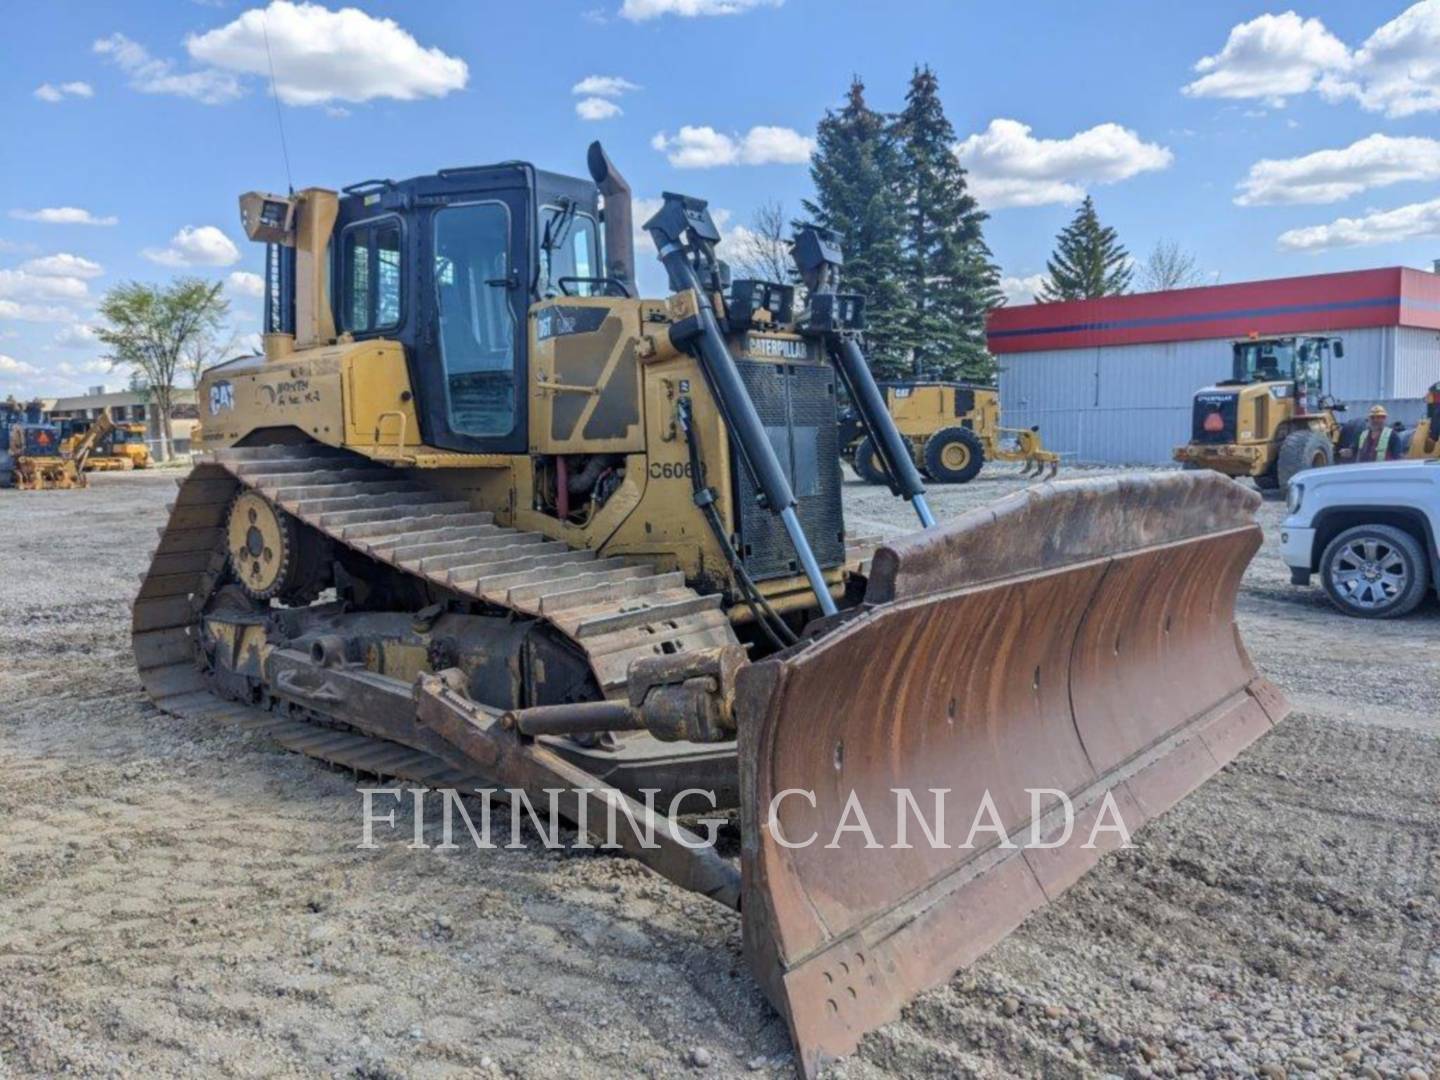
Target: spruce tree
854	168
1089	260
949	274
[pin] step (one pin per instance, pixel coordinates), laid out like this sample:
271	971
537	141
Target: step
608	591
385	530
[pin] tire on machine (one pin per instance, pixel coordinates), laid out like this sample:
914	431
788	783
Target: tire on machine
1301	450
954	455
867	463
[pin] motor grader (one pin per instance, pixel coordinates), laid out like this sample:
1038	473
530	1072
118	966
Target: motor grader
479	515
1271	418
951	429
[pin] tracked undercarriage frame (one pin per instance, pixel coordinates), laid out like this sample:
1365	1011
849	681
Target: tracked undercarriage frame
1102	611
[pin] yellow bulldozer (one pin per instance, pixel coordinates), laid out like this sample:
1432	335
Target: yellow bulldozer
950	430
1272	417
482	516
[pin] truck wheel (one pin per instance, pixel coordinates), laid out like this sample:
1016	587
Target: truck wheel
1374	572
1301	450
954	455
867	463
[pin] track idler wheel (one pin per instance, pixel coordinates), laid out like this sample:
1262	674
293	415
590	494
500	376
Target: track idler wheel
270	556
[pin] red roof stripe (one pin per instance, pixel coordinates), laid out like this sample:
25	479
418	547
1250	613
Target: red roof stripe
1318	302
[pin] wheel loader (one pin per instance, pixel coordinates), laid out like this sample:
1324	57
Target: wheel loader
951	429
1271	418
480	516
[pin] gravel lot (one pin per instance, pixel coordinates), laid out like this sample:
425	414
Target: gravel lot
178	900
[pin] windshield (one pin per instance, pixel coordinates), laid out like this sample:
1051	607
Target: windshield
1264	361
477	330
567	250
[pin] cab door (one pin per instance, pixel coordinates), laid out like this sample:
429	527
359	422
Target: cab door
473	286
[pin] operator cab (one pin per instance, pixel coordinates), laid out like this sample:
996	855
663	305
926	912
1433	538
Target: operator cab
1287	359
448	265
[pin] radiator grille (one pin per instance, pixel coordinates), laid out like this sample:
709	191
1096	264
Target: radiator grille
796	403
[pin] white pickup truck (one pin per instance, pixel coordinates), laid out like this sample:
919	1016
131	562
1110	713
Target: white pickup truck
1370	531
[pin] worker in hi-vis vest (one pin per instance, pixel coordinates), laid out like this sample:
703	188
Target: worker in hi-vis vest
1377	442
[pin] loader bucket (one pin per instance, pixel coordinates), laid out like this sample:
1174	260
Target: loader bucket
1079	637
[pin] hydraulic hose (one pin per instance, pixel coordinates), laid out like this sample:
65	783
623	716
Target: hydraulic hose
903	477
704	338
779	635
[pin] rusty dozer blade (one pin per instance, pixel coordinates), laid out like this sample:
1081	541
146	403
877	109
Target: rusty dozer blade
1078	636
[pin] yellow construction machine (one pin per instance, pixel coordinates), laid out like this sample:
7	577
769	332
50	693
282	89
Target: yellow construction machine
1424	441
950	429
39	460
1272	417
123	448
481	516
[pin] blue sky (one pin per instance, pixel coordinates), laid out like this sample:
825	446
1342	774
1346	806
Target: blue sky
1266	140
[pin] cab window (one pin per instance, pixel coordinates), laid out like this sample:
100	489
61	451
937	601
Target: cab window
477	322
568	249
370	277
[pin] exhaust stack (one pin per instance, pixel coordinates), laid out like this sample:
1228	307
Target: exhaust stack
619	240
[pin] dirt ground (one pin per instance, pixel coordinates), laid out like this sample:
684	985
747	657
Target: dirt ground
179	900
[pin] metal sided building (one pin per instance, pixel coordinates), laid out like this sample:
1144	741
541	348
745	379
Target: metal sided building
1111	380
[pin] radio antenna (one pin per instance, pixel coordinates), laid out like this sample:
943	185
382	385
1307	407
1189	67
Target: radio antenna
275	93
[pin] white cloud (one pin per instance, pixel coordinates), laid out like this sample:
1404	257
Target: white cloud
1380	227
151	75
63	265
1010	167
204	245
87	367
76	335
1270	57
12	369
640	10
14	309
63	215
1331	175
23	285
244	283
603	86
322	56
597	108
1021	290
705	148
53	94
1397	70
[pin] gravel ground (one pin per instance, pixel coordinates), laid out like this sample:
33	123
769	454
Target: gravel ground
177	900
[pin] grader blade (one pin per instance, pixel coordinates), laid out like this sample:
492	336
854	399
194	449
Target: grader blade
1077	637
